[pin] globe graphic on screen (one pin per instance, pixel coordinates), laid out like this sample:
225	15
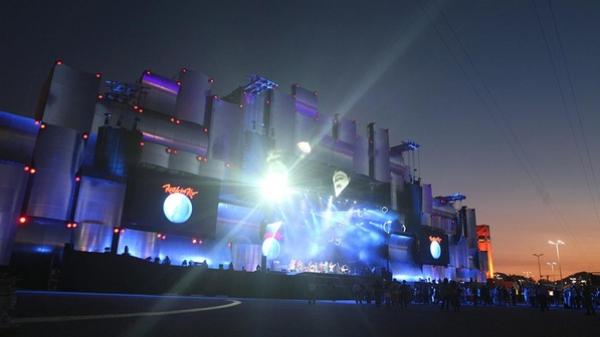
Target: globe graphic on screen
271	248
177	208
435	249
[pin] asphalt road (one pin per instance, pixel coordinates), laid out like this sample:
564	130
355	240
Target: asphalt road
90	315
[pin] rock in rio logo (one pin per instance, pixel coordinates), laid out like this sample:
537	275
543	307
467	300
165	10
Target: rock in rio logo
177	206
188	191
434	247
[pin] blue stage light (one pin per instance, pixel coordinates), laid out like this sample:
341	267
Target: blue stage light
177	208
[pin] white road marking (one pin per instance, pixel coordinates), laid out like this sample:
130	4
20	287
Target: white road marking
48	319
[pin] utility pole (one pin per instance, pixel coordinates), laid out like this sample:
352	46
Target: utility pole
539	263
556	244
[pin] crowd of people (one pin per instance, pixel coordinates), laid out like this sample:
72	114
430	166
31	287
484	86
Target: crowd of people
450	295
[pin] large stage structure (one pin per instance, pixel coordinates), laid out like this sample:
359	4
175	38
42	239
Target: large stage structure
164	167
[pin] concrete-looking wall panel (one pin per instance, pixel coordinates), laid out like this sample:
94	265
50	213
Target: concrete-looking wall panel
382	155
56	160
185	162
70	99
92	237
283	118
346	130
155	154
254	113
13	182
100	201
361	156
191	100
226	132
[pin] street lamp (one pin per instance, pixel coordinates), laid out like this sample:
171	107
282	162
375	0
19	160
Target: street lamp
557	243
552	264
539	263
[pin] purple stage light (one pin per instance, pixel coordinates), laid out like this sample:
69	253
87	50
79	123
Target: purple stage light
160	83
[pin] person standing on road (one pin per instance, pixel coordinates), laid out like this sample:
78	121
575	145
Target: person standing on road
588	302
357	293
312	291
542	296
474	293
445	295
405	294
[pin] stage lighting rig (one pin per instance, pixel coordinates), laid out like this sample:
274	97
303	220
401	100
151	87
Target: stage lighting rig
304	147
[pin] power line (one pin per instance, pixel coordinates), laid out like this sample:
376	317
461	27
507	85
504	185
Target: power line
576	106
566	105
512	140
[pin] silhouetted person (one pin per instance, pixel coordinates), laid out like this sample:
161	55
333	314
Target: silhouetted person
474	293
126	251
204	265
157	259
184	263
542	296
312	291
445	295
405	295
230	266
357	293
455	292
513	296
167	261
588	302
378	292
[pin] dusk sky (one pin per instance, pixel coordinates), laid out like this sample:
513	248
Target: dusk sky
473	82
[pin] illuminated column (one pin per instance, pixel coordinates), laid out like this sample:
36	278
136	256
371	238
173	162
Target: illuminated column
485	245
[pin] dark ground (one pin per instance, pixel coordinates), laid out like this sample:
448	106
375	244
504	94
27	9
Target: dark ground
289	318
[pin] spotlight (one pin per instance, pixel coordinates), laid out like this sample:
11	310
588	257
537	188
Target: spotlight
275	183
304	147
22	219
116	230
85	136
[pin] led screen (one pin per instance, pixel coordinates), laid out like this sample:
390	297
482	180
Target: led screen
167	203
432	246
